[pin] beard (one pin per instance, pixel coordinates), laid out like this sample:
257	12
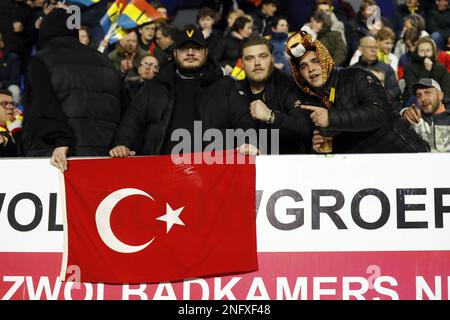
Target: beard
190	69
261	78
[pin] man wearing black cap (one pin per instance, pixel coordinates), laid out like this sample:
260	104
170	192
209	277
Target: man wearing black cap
431	119
173	100
74	99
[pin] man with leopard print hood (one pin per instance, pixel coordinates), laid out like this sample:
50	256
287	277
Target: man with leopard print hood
349	105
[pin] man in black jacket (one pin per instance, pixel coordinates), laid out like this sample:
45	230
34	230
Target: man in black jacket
74	100
349	105
271	96
174	100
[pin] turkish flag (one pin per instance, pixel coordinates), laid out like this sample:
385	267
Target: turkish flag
148	219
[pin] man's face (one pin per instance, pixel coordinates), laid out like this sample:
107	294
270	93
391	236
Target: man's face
411	46
369	50
129	43
148	32
425	50
206	22
429	99
163	41
148	68
191	56
369	11
247	30
386	45
442	5
412	3
258	63
282	26
325	8
311	70
269	9
6	109
315	25
163	11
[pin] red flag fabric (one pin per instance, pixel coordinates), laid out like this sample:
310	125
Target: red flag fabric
147	219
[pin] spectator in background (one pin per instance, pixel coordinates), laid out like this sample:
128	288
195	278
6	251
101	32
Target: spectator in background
411	21
227	51
166	39
385	41
224	8
359	23
410	38
83	36
369	58
262	18
326	6
9	71
206	19
22	27
146	37
424	65
402	11
10	125
6	24
127	55
278	39
320	24
163	10
438	24
74	100
431	118
148	68
231	18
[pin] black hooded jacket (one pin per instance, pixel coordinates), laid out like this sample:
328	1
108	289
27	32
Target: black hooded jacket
74	97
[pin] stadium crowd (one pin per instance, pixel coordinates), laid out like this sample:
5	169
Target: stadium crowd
355	80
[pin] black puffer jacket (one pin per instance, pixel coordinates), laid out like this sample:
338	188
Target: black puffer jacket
151	110
293	123
75	97
362	120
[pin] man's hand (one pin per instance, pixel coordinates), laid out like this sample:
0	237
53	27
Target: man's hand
228	69
59	158
248	149
125	65
17	26
317	140
412	115
259	111
2	140
121	152
319	116
428	64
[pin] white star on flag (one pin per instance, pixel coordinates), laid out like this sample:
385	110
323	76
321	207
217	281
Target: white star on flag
171	217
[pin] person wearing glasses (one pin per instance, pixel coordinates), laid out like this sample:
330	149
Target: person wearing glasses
369	59
148	68
10	125
172	100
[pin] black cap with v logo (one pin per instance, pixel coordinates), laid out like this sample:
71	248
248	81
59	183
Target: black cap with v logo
191	33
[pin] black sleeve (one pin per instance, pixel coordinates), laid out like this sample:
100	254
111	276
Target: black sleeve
133	120
371	111
51	123
293	121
